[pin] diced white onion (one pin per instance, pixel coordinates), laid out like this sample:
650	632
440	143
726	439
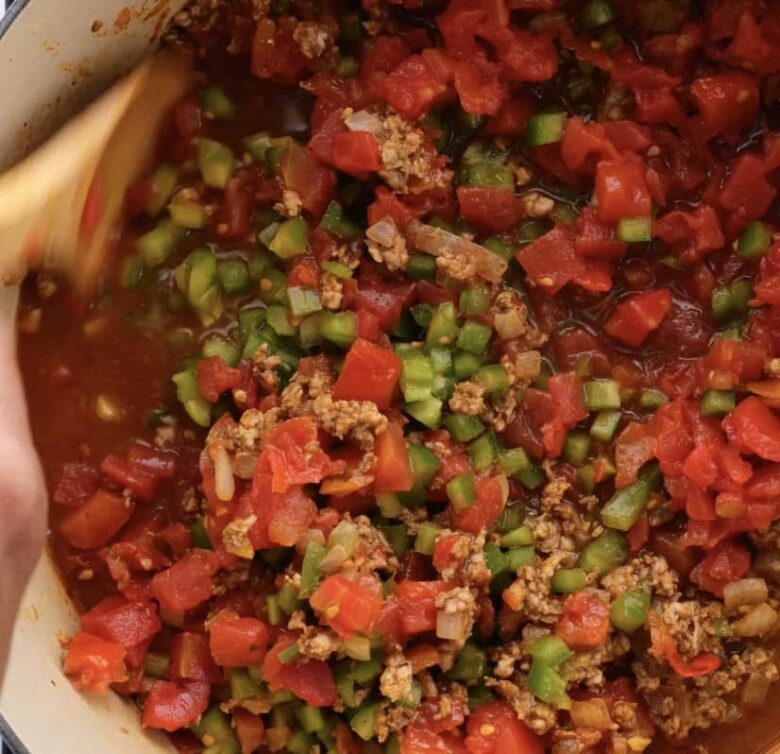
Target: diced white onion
224	483
452	626
755	690
528	365
334	559
345	534
436	241
503	483
759	620
745	592
384	232
510	324
244	465
591	714
364	120
357	647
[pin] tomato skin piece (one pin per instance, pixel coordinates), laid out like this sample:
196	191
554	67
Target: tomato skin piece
172	705
93	664
636	316
493	728
754	428
314	183
582	141
250	730
492	210
726	561
488	506
237	642
121	621
275	54
584	623
746	192
370	373
621	188
511	119
310	680
551	262
478	86
97	521
392	472
187	583
356	604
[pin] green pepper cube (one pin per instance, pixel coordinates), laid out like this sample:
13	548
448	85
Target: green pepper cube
604	554
474	300
443	329
547	685
551	650
652	399
461	491
602	393
605	424
334	221
421	266
500	247
545	128
278	318
463	428
474	337
215	162
303	301
576	447
469	666
425	465
635	229
216	104
416	375
311	568
257	145
233	275
465	364
291	238
755	240
717	402
518	557
426	538
522	536
225	348
484	451
340	328
426	411
730	301
159	243
493	378
596	13
568	580
162	184
187	214
629	610
626	506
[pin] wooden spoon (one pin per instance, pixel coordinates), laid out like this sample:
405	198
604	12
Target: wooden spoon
59	207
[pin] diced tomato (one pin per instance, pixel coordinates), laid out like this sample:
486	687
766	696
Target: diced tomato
417	605
93	664
250	730
479	88
492	210
413	87
754	428
349	606
387	204
665	648
582	141
367	325
310	680
490	500
275	53
493	728
77	483
747	192
627	70
584	623
566	390
386	54
524	56
628	136
191	659
621	189
551	262
216	377
302	174
596	239
237	642
96	522
727	101
392	472
173	705
290	517
370	373
383	298
417	739
638	535
187	583
511	119
120	621
294	454
636	316
727	561
692	234
304	272
356	153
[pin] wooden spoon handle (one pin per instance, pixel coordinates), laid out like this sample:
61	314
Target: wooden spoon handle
59	207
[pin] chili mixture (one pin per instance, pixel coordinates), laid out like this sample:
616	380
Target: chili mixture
430	402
